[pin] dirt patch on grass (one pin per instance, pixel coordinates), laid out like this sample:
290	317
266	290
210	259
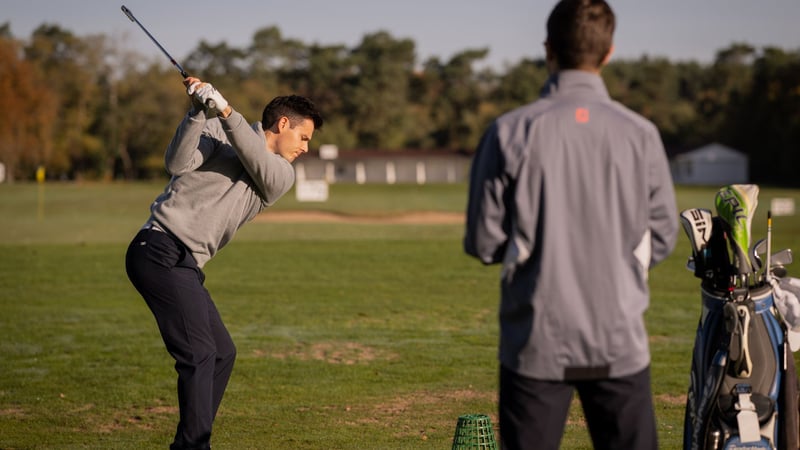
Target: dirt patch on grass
411	218
139	418
13	412
672	400
424	400
401	414
347	353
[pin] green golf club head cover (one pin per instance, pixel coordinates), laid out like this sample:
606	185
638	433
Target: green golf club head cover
736	204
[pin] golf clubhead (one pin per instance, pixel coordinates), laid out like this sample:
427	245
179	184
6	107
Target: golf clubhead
756	250
778	261
782	258
735	205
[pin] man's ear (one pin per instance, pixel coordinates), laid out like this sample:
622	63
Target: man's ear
608	56
283	123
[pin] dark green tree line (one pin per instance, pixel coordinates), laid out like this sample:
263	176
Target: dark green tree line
91	108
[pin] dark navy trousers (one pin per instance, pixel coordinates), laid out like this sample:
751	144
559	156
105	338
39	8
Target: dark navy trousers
618	411
168	278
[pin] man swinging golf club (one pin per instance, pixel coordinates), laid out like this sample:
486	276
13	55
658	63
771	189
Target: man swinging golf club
224	172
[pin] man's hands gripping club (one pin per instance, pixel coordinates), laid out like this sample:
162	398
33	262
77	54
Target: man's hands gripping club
206	98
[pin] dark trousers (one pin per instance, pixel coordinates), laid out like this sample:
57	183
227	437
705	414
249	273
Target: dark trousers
167	277
618	411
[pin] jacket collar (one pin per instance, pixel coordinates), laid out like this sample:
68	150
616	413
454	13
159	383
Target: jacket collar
571	81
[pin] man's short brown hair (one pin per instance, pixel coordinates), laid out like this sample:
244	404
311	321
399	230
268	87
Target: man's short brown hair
579	33
295	107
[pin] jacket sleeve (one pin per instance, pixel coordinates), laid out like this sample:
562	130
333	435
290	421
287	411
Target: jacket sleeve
187	151
487	224
663	209
273	176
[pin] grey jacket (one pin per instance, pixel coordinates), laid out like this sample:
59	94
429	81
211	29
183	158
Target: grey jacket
573	195
222	176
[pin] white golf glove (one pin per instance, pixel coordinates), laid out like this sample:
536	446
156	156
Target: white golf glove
197	103
209	97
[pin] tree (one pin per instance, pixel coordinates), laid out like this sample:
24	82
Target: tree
103	112
329	68
727	81
459	92
764	120
375	92
217	63
26	140
152	103
70	65
267	53
520	84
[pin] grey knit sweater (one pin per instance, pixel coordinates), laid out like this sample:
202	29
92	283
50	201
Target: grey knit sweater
222	176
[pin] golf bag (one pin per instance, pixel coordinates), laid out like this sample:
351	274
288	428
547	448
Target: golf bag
743	385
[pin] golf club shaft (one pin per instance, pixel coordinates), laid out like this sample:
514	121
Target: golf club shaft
767	273
171	59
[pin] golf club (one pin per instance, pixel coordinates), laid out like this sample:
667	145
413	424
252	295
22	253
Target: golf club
767	273
171	59
209	103
755	254
782	258
777	262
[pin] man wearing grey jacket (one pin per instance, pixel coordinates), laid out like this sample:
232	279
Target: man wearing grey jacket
224	172
572	194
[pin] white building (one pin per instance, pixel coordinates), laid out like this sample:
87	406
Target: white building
713	164
389	167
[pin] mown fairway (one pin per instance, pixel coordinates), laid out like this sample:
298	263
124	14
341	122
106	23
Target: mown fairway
350	336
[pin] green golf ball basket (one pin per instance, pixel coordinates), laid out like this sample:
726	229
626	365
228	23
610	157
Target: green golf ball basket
474	432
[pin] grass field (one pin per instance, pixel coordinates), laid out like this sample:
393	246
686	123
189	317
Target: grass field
349	335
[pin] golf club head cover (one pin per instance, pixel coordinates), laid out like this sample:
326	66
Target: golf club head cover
697	223
736	205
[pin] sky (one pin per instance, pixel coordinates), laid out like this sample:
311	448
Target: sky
680	30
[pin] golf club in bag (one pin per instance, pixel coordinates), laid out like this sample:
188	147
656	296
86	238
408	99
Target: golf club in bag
743	391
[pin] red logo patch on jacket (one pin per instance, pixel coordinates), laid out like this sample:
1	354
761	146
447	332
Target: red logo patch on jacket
581	115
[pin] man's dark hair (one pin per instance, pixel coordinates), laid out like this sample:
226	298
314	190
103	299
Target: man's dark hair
295	107
579	33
